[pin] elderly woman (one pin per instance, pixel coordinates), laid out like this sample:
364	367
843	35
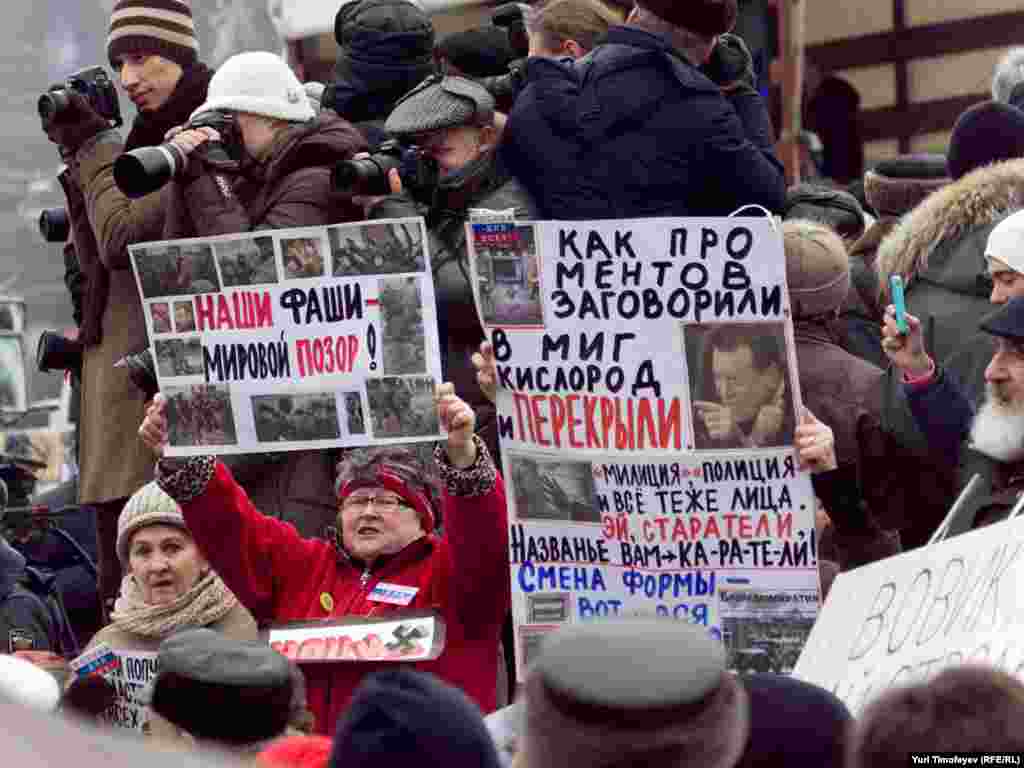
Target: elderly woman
168	586
452	120
385	523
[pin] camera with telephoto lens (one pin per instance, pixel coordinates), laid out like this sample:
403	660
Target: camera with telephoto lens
147	169
56	352
368	176
142	371
94	84
55	225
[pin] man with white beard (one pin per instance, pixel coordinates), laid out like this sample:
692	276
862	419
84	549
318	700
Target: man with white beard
988	439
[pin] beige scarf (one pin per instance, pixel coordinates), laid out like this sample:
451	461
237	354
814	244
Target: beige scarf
207	602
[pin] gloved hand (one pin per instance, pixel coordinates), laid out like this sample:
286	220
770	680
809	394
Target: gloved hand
75	125
730	64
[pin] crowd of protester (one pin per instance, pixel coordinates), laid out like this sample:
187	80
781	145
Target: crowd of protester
601	112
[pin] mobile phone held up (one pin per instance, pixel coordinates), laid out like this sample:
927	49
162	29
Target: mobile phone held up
899	302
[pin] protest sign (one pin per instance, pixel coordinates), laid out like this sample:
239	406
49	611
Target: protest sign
903	619
294	339
134	673
647	404
408	636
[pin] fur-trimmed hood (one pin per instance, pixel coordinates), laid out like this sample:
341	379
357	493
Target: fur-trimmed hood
979	198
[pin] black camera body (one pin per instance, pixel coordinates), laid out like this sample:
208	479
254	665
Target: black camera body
56	352
95	85
368	176
511	18
147	169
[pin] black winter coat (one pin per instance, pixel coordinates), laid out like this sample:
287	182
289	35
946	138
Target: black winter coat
635	130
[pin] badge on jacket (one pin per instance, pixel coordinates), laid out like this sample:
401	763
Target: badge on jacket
393	594
20	640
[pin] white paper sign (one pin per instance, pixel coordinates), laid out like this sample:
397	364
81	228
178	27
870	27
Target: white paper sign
903	619
137	670
418	636
294	339
620	345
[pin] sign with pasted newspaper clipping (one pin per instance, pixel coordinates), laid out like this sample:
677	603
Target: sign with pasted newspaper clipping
294	339
647	405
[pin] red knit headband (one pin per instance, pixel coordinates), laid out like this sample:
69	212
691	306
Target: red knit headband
385	479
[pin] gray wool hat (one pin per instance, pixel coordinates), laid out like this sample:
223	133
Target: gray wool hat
636	692
438	103
207	656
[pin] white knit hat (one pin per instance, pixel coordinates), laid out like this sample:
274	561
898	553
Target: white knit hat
148	506
259	83
24	682
1006	242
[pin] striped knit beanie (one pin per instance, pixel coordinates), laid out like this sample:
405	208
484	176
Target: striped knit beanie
161	27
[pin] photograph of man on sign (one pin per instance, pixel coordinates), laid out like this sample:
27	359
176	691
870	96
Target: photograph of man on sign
742	393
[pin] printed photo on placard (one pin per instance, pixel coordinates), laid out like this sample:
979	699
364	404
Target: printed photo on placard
508	275
402	407
184	317
286	418
179	357
741	388
12	315
553	489
374	249
246	262
200	414
161	312
12	374
176	270
303	257
401	311
355	419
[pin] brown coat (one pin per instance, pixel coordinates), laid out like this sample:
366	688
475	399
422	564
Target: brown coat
238	624
291	189
114	463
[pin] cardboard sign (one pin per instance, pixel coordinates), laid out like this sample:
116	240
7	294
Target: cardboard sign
403	636
294	339
647	448
904	619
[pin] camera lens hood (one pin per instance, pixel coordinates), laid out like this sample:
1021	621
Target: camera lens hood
144	170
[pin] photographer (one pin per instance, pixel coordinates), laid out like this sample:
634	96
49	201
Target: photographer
281	179
661	119
385	49
452	120
281	156
153	48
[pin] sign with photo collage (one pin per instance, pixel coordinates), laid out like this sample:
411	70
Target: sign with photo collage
294	339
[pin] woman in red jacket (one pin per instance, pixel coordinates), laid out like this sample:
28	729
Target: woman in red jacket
385	523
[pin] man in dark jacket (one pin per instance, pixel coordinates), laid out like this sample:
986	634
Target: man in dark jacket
153	48
841	390
636	129
988	440
25	623
386	49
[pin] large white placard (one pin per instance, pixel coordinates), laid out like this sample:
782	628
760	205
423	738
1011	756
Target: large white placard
903	619
620	348
294	339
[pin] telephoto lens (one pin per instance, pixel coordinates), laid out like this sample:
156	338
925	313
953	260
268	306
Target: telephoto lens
55	225
51	104
145	170
365	176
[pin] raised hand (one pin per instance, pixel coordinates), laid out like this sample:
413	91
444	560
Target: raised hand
486	372
154	426
459	420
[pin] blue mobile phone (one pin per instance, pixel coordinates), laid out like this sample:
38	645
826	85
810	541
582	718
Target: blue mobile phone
899	302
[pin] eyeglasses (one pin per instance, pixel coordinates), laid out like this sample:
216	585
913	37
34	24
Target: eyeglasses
382	503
